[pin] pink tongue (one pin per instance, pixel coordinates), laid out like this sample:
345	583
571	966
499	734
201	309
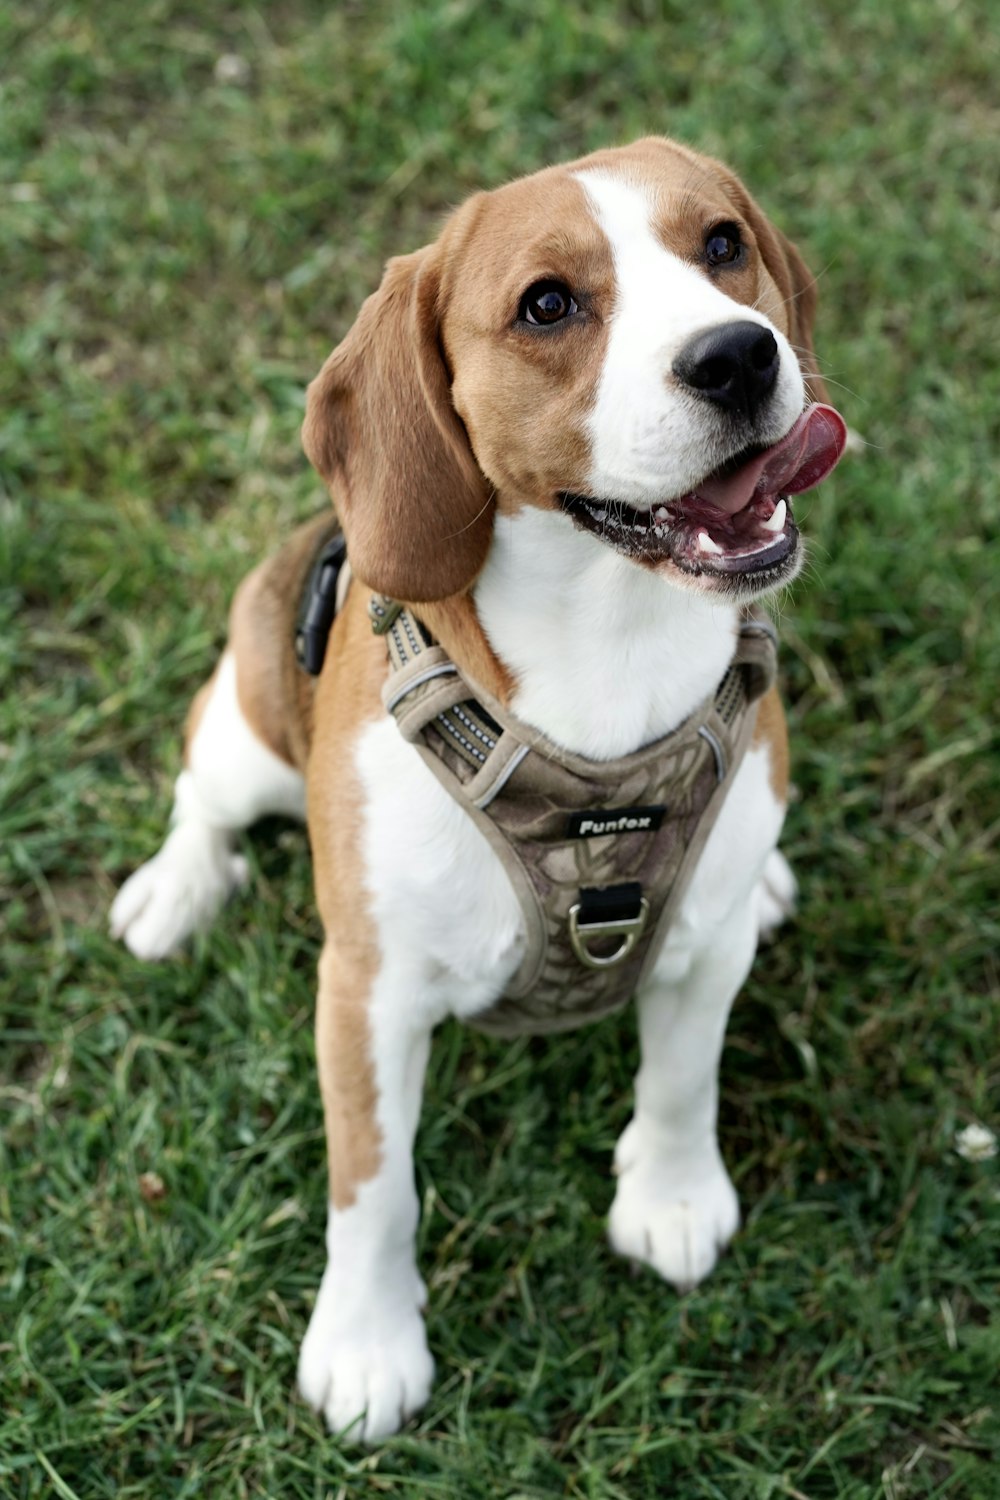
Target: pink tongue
802	458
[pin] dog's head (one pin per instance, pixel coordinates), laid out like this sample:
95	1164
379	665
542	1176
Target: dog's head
626	339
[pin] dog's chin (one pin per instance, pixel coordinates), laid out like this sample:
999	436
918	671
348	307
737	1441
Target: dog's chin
734	532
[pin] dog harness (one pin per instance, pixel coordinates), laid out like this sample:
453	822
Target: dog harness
599	853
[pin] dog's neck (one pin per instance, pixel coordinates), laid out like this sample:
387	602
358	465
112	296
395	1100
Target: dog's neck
604	656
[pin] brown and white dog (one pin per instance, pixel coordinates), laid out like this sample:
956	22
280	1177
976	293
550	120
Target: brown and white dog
566	433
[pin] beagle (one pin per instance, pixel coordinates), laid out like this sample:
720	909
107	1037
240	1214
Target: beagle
564	438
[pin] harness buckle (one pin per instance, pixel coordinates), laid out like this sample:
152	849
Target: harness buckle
583	932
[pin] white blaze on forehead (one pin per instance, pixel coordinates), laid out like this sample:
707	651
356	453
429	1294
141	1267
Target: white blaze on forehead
651	441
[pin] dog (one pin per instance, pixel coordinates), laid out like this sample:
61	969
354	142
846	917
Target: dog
562	443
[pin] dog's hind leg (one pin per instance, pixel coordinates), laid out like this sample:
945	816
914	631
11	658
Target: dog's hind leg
231	778
247	736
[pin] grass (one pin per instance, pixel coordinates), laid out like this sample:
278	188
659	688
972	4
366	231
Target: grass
179	252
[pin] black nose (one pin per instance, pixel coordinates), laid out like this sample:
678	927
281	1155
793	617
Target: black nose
735	365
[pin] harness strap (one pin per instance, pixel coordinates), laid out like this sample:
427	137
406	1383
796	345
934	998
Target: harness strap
425	687
416	662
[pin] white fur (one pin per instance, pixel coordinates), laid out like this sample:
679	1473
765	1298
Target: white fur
232	780
364	1361
607	657
449	906
651	440
178	891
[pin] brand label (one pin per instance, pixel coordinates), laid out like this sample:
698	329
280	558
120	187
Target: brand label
591	825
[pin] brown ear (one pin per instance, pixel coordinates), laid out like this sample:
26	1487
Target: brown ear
381	429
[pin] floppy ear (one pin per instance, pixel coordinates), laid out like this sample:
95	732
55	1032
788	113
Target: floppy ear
380	427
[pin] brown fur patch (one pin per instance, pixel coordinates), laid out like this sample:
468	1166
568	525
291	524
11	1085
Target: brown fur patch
347	1078
347	698
771	730
524	393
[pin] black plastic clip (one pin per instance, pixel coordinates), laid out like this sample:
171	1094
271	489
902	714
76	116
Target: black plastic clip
319	607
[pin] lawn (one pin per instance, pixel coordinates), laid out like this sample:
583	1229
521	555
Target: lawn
195	201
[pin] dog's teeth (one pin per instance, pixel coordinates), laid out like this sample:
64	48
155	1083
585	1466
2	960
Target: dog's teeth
661	514
706	544
776	522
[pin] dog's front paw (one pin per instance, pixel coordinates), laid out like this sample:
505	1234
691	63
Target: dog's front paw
365	1365
674	1214
177	892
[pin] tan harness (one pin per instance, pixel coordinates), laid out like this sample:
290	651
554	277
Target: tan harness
599	853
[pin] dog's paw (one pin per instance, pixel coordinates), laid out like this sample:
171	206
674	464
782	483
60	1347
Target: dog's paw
775	894
366	1367
675	1216
178	891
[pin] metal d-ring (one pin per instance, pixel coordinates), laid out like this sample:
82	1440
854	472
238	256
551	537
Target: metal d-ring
630	929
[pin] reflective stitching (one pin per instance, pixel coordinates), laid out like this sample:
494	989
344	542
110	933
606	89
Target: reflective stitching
473	727
729	695
395	634
466	744
410	635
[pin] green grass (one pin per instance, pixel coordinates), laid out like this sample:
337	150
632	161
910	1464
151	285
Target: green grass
177	255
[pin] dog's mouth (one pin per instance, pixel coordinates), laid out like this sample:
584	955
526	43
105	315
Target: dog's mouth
736	525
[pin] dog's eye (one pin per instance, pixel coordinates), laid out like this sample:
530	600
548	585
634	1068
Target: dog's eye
547	302
723	245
